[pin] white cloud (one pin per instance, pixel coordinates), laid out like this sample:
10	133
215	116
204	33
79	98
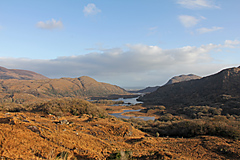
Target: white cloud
51	24
91	9
197	4
139	65
189	21
206	30
232	44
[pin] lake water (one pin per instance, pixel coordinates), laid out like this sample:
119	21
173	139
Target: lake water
130	101
119	115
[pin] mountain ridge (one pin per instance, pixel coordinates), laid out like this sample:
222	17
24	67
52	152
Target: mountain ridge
220	90
175	79
22	90
19	74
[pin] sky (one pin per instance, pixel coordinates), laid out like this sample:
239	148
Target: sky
132	44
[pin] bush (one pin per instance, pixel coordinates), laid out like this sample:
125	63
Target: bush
216	126
192	128
107	102
200	111
121	155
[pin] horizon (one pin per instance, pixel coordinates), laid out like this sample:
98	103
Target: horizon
125	43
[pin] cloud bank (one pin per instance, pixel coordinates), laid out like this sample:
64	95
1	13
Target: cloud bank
49	25
138	66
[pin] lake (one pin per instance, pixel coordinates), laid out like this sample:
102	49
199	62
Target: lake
119	115
130	101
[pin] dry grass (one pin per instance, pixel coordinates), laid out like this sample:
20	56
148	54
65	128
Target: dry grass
86	137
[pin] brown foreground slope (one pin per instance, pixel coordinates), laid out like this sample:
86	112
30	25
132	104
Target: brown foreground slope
19	74
37	136
82	130
24	90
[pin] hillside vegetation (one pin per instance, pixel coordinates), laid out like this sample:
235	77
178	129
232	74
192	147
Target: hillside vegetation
37	135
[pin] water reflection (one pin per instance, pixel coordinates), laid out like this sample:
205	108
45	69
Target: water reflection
128	101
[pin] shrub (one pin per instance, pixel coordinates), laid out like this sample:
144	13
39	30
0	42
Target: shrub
216	126
200	111
121	155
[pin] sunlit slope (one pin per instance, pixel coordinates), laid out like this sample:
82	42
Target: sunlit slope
19	74
48	88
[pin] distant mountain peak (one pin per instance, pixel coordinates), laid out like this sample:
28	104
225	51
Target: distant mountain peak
181	78
175	79
87	78
19	74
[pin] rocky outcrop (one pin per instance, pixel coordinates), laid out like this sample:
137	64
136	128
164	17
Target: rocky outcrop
181	78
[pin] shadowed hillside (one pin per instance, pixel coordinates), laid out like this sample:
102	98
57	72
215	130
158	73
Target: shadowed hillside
19	74
221	89
146	90
175	79
22	90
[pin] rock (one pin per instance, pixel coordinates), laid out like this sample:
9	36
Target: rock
5	120
34	129
64	121
23	116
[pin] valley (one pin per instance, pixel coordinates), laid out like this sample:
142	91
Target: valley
81	118
119	80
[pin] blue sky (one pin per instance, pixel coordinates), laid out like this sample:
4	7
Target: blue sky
135	43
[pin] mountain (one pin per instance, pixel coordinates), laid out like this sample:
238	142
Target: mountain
22	90
181	78
19	74
219	90
146	90
175	79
